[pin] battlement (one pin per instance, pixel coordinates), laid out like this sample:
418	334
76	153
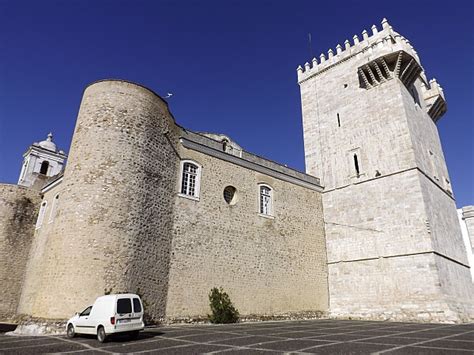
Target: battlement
380	43
433	95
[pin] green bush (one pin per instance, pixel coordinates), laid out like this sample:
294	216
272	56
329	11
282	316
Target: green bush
223	311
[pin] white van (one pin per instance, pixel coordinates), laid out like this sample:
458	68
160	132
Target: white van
109	314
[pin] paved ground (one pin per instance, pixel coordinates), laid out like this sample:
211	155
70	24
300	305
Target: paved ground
315	336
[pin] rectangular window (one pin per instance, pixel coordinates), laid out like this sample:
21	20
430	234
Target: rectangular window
124	305
265	200
188	183
190	180
137	307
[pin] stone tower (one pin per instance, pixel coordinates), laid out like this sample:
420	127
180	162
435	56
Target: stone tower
395	249
112	230
41	161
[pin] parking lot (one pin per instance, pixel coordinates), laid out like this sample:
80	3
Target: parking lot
312	336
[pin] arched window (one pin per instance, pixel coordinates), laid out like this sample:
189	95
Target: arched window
44	167
190	179
41	214
265	200
54	209
224	145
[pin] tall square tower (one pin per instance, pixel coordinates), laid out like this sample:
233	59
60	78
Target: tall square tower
395	249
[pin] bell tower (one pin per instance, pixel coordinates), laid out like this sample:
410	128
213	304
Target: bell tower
41	161
395	249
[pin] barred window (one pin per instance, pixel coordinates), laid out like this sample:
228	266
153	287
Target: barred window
266	200
190	179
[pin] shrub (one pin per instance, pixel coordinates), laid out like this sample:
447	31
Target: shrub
223	311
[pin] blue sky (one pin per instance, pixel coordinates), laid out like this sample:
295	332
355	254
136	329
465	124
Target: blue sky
231	66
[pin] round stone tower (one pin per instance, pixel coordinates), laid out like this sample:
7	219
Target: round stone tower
114	220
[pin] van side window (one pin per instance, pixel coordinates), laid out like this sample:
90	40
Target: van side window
124	305
86	312
137	307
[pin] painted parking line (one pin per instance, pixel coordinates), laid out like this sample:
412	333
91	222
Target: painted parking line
420	343
87	346
31	346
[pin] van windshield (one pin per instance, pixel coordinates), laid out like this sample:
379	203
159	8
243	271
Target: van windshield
124	305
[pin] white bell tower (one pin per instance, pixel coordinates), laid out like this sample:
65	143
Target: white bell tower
41	160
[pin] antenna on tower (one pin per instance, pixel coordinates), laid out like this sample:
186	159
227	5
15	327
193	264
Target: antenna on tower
309	46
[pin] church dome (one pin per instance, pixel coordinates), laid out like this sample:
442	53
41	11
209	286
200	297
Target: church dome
48	143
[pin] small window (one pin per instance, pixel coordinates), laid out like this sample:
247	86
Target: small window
137	307
338	120
54	208
124	305
42	211
225	142
44	167
229	195
414	94
86	312
266	197
190	179
356	165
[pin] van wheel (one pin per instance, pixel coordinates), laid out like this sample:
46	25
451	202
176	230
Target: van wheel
101	336
71	333
134	335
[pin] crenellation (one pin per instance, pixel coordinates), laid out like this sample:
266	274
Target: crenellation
322	58
374	30
330	54
347	44
356	40
434	99
377	44
365	35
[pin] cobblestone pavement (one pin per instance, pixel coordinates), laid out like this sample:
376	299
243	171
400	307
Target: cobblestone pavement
295	337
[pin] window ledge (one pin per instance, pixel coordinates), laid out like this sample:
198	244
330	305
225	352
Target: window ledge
189	197
266	216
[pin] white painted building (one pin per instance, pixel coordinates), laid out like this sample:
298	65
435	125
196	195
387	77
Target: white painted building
41	160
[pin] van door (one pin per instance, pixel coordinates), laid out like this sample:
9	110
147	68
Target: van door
124	314
137	311
83	323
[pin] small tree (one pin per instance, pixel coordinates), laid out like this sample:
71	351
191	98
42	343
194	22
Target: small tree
223	311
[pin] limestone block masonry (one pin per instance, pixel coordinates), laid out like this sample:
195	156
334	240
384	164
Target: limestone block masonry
18	211
117	222
395	249
149	207
268	265
468	217
113	227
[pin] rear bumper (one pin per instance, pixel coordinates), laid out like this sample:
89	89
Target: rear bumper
112	329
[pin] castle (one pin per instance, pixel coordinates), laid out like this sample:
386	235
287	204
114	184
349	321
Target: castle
144	205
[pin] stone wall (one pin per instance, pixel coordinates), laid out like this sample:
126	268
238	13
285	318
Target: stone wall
18	212
268	265
401	288
385	270
468	217
113	226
